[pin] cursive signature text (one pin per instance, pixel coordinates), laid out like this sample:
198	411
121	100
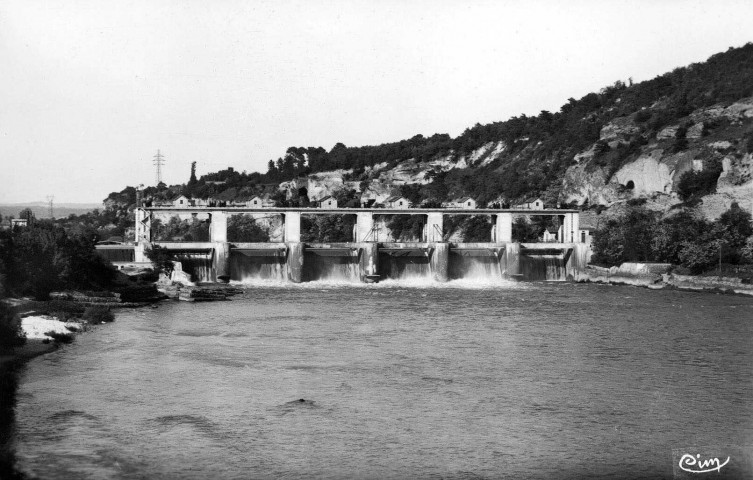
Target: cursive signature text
692	464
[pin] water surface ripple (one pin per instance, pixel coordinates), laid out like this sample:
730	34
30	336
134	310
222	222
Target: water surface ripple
527	381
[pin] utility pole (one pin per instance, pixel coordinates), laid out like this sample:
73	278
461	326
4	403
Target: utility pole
158	161
50	198
720	259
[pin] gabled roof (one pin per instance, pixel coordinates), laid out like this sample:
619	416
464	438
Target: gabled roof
395	198
325	198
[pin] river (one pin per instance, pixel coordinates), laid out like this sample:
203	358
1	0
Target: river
529	380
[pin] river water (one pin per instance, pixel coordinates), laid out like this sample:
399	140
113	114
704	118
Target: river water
399	381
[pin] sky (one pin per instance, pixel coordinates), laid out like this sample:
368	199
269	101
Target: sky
89	90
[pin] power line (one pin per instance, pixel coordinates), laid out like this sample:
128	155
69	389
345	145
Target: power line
158	161
50	198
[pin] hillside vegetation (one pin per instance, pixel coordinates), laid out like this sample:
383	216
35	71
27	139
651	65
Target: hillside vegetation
681	143
528	156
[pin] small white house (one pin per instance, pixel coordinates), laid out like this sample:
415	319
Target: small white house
18	222
182	201
466	202
551	234
328	202
256	202
537	204
401	203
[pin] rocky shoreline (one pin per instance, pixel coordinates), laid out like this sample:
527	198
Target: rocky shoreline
660	276
198	293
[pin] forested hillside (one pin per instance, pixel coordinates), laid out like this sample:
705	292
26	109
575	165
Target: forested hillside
679	142
533	152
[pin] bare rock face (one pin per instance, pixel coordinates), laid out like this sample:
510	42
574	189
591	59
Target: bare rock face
585	155
695	131
322	184
619	129
646	175
714	205
667	132
581	185
740	110
735	184
721	145
735	173
484	155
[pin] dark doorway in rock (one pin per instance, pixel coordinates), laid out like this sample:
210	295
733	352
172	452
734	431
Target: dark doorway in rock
630	185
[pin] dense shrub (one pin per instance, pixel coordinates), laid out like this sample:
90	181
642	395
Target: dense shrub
60	337
11	333
407	228
98	314
524	231
162	259
694	184
327	228
44	258
243	228
681	239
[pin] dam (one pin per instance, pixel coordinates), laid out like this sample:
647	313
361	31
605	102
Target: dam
368	258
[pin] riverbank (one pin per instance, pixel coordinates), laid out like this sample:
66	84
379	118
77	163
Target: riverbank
44	333
660	276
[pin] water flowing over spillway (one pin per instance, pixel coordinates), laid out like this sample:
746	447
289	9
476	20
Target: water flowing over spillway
331	268
198	265
479	269
542	267
407	268
414	263
248	268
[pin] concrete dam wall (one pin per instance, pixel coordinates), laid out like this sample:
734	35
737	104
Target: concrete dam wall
374	262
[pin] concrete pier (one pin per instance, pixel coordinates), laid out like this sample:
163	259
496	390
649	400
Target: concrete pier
295	261
218	227
222	261
369	262
512	261
364	230
292	221
502	231
143	225
434	228
440	262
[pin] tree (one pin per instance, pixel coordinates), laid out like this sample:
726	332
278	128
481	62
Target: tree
11	334
162	259
45	258
699	256
695	184
192	181
601	148
28	215
681	141
524	231
477	228
243	228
